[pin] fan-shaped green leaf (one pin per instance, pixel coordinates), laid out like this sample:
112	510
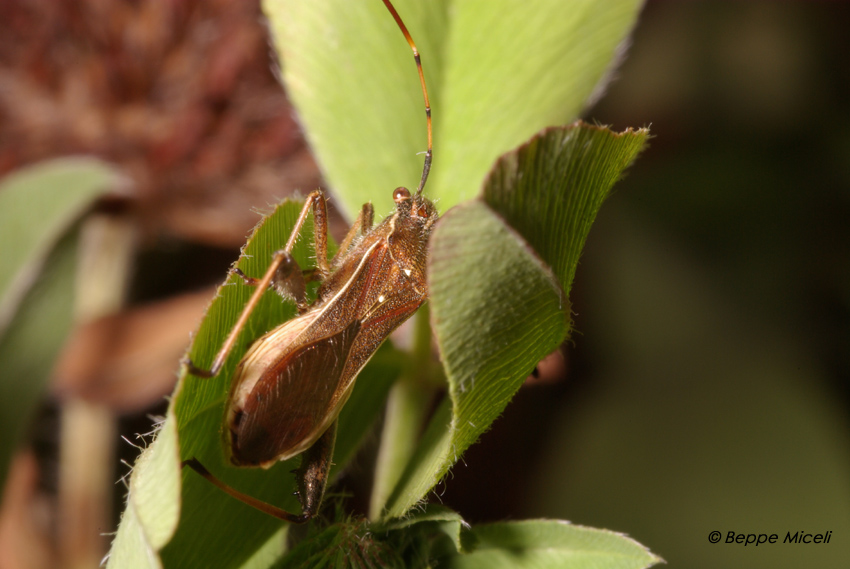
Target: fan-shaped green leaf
497	308
214	529
538	189
497	70
548	543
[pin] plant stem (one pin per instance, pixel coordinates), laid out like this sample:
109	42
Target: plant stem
88	428
407	406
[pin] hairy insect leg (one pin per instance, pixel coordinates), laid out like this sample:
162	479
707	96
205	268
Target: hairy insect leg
320	233
288	280
362	225
312	478
316	202
312	475
264	507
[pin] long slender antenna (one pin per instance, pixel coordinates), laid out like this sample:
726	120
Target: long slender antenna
429	154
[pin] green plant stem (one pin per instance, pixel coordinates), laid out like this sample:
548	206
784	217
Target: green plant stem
407	406
88	428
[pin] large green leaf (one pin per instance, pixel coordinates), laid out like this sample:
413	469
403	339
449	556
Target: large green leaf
548	543
153	505
198	406
39	205
215	530
497	308
497	71
31	344
537	188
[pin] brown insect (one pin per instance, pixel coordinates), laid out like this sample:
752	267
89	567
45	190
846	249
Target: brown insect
290	386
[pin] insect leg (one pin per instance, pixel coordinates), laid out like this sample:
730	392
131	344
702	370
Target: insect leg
312	475
312	478
264	507
368	218
316	201
320	235
288	281
362	225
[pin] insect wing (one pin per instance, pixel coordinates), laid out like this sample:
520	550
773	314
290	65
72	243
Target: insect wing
293	403
381	296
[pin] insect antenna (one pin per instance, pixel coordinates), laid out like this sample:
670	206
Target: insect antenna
429	153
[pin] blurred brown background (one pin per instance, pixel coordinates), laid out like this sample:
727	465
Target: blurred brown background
182	97
708	383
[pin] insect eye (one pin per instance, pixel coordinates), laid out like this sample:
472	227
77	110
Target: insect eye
401	195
